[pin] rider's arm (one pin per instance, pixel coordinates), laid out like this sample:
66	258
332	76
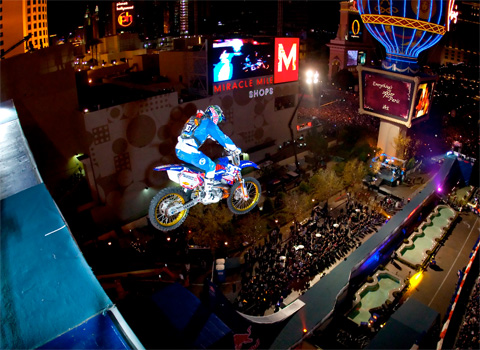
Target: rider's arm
217	134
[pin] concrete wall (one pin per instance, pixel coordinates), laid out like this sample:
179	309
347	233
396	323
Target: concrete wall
43	89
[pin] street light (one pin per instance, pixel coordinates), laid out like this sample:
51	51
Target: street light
311	79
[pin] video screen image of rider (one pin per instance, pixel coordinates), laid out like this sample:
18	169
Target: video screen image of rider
241	59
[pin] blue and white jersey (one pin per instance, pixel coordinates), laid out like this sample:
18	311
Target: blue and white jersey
201	132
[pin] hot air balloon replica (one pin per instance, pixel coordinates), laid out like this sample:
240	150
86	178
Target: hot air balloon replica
398	92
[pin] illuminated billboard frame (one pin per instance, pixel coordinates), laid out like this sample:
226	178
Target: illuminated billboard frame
235	59
352	58
355	27
423	99
286	60
124	15
252	63
395	97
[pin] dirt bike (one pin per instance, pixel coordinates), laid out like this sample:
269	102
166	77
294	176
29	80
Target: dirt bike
169	207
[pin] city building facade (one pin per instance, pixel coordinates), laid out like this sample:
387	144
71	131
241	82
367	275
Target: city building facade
20	20
353	44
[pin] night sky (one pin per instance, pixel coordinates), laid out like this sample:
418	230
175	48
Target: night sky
64	16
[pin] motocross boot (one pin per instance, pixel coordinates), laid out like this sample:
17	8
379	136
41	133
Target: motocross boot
209	195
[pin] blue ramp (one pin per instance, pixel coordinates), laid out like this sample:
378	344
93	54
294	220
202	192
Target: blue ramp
49	296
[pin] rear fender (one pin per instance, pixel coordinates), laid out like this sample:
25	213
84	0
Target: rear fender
173	171
175	167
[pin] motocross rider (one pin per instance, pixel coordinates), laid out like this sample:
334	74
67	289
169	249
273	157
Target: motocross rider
196	130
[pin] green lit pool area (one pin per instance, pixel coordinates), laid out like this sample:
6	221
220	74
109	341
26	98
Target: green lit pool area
422	240
374	294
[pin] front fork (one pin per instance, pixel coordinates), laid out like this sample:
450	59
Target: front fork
243	188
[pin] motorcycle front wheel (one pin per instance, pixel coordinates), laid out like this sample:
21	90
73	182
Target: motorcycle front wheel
160	204
237	203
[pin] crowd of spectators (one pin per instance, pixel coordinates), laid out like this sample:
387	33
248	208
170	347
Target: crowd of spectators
469	330
341	113
274	270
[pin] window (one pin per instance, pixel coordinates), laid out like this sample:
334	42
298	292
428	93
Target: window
36	41
34	25
283	102
34	17
28	2
28	19
29	27
35	35
28	10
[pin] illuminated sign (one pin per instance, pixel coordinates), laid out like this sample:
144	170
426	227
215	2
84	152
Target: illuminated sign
260	92
123	6
352	57
124	12
361	58
234	59
125	19
355	27
398	98
388	96
423	99
286	60
242	84
452	13
251	63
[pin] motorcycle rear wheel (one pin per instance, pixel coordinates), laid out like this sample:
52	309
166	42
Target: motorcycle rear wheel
161	202
237	204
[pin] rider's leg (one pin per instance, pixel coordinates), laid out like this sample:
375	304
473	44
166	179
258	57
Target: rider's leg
200	160
209	181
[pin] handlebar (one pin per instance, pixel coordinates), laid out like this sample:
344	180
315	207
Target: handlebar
236	158
235	155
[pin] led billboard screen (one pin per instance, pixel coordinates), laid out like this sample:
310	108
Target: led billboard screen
234	59
423	99
352	57
252	63
385	95
399	98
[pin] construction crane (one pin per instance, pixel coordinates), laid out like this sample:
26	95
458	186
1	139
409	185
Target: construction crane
26	38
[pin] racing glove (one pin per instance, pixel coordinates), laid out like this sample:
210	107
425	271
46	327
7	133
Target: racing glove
232	149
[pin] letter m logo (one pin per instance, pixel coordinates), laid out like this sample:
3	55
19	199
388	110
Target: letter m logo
286	60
